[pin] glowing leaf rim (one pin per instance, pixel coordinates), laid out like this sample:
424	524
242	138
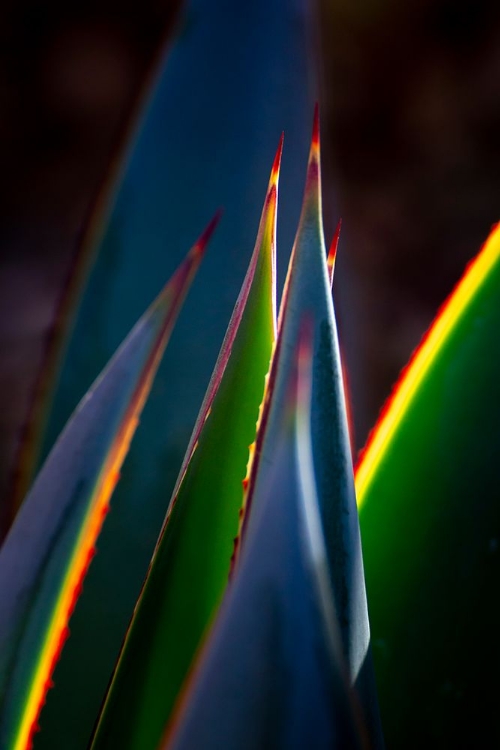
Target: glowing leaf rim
422	362
84	549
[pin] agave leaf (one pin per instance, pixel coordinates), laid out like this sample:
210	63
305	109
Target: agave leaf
307	291
271	673
428	486
170	183
206	140
192	560
46	554
330	264
332	252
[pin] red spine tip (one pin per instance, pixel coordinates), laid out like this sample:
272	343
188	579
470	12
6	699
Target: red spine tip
315	133
277	162
332	253
207	234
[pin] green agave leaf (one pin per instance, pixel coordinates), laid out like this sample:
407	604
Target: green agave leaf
429	488
47	552
205	141
308	291
271	672
191	564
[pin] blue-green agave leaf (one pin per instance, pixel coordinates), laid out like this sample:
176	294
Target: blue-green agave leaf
308	291
236	76
271	673
47	552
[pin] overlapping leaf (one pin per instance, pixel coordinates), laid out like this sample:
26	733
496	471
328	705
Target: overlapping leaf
429	489
271	673
46	555
236	75
307	291
191	564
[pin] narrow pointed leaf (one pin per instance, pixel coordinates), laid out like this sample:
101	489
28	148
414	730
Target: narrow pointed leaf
191	564
428	487
330	263
307	291
47	552
271	673
332	252
205	141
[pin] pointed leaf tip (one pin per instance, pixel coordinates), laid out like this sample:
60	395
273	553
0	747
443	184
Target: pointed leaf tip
313	165
315	133
201	244
332	253
275	171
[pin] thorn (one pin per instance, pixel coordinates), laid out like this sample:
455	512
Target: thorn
277	163
313	165
332	253
199	247
315	133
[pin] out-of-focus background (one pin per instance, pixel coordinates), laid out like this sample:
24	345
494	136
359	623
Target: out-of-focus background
411	122
412	95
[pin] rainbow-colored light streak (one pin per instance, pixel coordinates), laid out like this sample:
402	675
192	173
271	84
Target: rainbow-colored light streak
166	307
422	362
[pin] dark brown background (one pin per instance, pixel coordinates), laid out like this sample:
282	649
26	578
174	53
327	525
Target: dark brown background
413	107
411	124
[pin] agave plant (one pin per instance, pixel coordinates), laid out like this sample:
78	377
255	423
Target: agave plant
280	655
201	142
251	627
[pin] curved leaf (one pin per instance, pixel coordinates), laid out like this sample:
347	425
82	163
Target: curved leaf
429	487
308	292
190	567
271	672
236	76
47	552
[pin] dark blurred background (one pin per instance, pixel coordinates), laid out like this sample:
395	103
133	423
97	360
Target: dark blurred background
412	95
411	125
